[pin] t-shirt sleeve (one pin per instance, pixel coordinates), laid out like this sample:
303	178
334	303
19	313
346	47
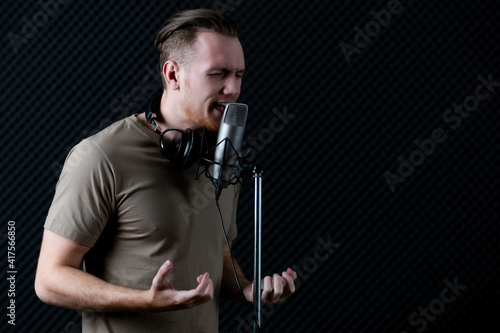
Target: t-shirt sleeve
84	199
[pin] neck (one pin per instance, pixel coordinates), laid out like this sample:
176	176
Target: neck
168	113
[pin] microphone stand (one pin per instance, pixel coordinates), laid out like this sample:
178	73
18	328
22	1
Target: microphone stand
243	169
257	174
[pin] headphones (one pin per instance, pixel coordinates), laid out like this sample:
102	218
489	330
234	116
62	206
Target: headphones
185	146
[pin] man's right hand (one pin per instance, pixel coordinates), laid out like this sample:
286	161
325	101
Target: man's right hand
164	297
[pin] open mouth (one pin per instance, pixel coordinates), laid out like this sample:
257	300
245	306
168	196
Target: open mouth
219	106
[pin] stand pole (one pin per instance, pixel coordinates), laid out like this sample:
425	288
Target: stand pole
257	174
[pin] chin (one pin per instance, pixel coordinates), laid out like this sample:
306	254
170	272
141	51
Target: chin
209	124
212	127
213	121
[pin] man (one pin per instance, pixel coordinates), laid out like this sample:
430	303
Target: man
124	210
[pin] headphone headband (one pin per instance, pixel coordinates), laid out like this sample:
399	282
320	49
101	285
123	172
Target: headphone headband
150	116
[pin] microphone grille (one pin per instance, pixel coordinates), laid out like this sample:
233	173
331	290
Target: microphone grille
236	114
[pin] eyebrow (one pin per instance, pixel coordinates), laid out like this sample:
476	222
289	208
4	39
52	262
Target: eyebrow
225	69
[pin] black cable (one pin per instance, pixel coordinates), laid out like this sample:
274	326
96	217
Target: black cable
232	263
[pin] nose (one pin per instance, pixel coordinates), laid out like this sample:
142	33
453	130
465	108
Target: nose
232	86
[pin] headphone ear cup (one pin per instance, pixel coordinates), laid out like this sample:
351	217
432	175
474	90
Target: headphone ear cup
183	149
192	150
173	149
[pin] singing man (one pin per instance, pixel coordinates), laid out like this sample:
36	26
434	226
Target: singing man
123	241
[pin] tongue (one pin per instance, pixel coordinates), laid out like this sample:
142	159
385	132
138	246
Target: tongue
219	107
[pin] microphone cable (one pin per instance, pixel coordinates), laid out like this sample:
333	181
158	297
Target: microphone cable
232	264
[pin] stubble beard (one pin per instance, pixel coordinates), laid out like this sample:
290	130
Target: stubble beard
198	120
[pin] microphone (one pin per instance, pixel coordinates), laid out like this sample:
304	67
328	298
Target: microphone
229	142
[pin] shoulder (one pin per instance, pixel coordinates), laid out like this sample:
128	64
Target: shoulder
94	150
116	138
119	130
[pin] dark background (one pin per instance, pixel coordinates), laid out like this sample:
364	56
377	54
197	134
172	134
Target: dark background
324	171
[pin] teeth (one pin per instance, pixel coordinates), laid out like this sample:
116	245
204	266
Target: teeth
217	104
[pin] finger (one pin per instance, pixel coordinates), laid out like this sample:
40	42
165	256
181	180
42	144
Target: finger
267	289
209	292
292	273
290	285
160	280
278	288
204	283
202	294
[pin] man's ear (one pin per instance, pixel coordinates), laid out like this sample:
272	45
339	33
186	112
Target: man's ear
171	74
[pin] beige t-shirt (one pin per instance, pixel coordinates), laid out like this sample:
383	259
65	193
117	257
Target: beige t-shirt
120	196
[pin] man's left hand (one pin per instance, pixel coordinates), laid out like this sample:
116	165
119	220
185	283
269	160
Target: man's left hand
274	289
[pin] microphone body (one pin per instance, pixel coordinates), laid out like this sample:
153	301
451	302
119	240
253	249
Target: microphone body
228	144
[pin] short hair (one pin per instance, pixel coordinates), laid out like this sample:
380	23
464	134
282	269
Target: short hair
179	33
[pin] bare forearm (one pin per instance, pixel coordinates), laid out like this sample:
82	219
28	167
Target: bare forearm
60	282
72	288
